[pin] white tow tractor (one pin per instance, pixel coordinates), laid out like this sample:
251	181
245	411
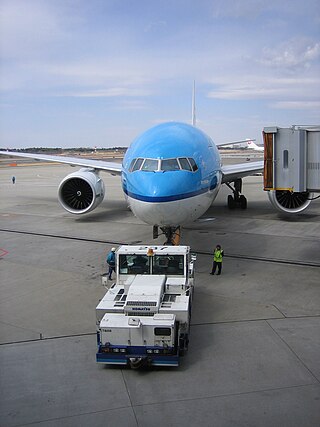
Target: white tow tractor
144	318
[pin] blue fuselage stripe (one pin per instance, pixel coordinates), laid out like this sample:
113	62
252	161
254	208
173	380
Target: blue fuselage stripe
172	198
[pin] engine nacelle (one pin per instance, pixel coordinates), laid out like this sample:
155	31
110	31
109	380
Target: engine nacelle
289	202
81	191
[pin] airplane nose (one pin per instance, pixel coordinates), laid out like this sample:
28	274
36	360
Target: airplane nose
168	198
166	186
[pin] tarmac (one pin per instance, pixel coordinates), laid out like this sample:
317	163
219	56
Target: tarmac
253	357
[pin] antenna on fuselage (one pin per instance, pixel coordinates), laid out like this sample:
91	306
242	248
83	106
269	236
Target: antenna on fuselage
193	120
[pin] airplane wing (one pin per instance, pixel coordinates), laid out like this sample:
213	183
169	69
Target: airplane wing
222	144
111	167
240	170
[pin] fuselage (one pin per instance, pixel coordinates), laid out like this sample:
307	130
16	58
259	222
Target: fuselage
171	174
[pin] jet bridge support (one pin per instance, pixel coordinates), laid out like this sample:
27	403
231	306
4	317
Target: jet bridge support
292	166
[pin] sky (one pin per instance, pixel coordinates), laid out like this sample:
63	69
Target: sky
79	73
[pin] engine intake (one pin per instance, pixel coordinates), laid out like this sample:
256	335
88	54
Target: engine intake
81	191
288	201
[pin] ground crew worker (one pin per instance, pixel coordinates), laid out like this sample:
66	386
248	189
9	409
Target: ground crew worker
111	261
217	260
13	180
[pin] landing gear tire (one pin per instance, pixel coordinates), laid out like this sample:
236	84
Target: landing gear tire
183	344
231	202
238	199
243	202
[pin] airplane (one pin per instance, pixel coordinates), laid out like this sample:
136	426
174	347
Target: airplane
244	145
253	146
171	174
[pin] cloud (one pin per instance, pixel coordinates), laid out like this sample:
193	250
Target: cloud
155	26
286	72
145	56
30	28
249	10
236	9
297	105
254	87
293	54
111	92
131	104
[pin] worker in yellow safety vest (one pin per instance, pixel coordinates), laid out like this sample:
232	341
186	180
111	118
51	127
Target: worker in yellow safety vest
217	260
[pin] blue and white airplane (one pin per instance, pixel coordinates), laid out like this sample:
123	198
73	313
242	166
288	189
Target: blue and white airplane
170	175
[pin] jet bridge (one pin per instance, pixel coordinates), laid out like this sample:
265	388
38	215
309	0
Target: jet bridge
291	166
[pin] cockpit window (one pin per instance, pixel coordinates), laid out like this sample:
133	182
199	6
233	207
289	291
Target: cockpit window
184	163
169	165
150	165
174	164
193	164
136	164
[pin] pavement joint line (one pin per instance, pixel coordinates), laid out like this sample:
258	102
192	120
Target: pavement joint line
278	309
218	396
225	322
255	320
42	339
166	402
83	239
293	352
129	397
270	260
21	327
81	414
236	256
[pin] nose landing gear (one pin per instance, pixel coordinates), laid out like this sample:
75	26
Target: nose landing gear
238	199
172	234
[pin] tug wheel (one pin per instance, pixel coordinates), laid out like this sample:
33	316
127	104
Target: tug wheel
137	362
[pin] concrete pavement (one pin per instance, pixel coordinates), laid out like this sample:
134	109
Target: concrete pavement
254	348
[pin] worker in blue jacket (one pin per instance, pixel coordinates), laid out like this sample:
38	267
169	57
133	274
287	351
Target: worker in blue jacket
111	261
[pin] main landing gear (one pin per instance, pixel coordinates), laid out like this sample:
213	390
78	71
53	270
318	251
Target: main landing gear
172	234
238	199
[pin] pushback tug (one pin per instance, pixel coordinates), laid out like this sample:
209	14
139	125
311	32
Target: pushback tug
144	318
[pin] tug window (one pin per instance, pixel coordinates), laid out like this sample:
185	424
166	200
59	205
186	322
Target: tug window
134	264
164	264
162	332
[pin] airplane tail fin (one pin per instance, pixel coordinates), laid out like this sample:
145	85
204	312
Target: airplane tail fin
251	144
193	119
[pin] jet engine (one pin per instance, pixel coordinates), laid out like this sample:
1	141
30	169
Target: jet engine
81	191
288	201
